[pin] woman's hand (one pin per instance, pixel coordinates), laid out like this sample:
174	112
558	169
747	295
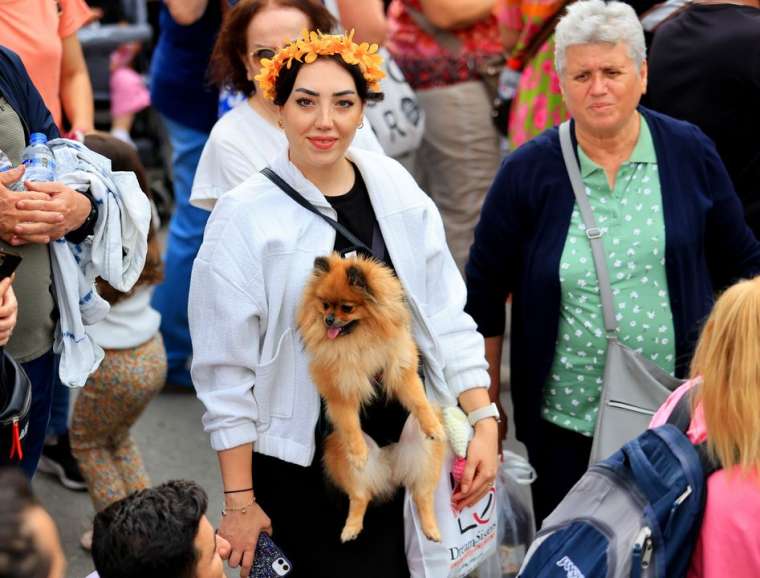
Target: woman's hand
8	310
68	206
242	531
481	467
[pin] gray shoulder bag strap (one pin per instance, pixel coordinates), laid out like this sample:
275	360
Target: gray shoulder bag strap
593	232
443	37
634	387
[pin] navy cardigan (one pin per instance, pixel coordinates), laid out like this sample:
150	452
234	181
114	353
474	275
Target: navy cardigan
521	235
18	90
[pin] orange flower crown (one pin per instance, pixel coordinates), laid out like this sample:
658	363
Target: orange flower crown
312	45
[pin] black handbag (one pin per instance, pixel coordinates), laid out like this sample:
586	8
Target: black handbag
15	403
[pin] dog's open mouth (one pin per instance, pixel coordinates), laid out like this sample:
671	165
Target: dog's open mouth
335	331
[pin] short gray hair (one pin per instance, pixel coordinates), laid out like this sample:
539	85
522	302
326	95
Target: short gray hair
596	21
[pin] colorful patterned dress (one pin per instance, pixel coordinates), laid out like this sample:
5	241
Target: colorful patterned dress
538	104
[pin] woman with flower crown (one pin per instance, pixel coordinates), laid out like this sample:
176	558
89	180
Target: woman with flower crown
262	410
243	141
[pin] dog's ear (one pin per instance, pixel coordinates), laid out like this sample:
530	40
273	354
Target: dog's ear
321	265
357	278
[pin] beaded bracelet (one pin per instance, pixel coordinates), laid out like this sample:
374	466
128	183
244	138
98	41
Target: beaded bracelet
242	509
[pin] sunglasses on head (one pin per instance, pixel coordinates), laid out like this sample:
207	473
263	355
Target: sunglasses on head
261	53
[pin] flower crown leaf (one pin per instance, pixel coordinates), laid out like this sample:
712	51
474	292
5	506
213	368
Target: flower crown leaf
312	45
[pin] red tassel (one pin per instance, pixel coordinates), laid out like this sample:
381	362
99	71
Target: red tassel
16	442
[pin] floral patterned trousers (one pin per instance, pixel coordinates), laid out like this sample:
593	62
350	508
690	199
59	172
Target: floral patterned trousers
105	410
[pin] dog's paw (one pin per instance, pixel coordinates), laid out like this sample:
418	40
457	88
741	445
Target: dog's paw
435	431
351	532
433	533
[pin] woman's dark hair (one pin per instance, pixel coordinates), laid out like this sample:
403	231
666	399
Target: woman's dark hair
283	86
150	533
227	68
123	157
19	554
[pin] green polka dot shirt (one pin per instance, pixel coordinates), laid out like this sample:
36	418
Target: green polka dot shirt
631	220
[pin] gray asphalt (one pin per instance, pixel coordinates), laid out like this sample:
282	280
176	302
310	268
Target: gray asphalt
173	445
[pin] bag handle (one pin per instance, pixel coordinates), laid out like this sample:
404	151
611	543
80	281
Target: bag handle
453	44
593	233
378	244
445	38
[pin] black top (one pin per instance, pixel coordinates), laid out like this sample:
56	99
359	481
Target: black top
704	67
382	420
355	213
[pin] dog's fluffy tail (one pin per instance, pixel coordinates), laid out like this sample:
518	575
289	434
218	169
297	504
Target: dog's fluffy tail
416	457
375	479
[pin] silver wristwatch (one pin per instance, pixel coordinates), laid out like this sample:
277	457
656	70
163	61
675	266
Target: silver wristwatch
489	410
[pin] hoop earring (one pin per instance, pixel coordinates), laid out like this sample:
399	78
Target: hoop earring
361	125
279	124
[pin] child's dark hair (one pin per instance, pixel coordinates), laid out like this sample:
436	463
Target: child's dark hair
286	79
20	556
124	157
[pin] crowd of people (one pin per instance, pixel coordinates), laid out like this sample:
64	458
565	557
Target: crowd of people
478	221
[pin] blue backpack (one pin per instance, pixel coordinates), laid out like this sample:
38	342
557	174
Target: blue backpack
636	514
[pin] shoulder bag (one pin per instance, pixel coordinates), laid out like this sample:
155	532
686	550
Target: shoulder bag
15	403
398	120
633	387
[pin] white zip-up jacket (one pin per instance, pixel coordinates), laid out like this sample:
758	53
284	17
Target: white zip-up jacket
249	366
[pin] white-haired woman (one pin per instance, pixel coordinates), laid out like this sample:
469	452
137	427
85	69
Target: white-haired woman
673	234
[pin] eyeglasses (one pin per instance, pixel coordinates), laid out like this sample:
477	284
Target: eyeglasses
261	53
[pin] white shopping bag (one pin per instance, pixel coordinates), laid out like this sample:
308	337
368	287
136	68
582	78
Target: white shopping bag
467	537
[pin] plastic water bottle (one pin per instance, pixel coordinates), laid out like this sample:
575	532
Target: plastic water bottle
6	165
38	159
5	162
508	82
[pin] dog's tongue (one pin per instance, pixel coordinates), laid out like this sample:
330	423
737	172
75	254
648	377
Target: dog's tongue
333	332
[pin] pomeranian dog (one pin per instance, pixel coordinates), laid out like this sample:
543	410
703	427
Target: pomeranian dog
356	325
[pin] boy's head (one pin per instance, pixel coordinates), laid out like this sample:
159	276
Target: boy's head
159	532
29	543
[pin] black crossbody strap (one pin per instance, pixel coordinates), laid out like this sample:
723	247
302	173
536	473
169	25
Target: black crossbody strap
298	198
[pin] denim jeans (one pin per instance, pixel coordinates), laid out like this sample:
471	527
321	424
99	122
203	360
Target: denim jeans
59	409
184	240
41	372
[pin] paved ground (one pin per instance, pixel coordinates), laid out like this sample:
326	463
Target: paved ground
173	445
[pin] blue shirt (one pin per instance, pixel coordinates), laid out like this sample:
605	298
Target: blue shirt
179	85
